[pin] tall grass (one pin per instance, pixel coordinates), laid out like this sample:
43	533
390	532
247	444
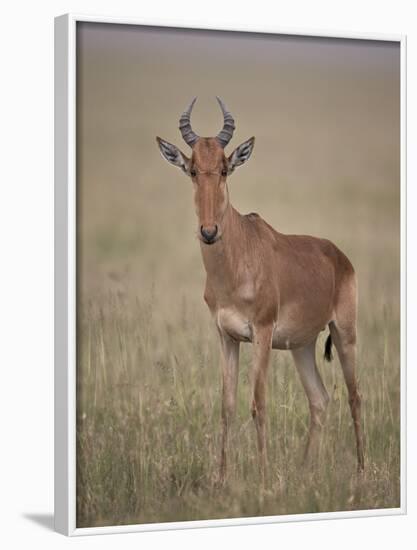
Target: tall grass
148	426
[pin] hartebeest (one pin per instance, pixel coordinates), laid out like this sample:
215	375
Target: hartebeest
273	290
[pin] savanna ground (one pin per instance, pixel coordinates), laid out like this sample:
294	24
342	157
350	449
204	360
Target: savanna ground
326	162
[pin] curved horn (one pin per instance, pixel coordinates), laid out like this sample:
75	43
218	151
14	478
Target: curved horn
187	133
228	126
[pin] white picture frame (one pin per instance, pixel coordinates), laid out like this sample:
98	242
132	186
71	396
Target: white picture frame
65	285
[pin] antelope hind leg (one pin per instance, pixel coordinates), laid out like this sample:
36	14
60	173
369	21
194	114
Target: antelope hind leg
345	342
317	396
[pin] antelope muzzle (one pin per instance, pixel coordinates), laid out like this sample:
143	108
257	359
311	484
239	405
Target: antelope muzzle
209	233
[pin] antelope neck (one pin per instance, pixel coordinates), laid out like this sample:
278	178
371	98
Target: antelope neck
221	258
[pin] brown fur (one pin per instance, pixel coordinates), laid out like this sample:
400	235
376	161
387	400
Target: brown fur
275	291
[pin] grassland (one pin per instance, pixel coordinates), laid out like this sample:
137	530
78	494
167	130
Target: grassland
326	162
148	426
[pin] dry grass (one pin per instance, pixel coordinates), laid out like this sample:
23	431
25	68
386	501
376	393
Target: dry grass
148	425
326	163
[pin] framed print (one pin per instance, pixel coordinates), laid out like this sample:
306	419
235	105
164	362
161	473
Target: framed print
229	276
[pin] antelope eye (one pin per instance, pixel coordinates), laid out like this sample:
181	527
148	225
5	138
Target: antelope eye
224	172
193	173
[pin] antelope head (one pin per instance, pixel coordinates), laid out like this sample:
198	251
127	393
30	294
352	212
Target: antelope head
208	167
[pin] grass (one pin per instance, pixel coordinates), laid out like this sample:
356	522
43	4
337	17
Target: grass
148	426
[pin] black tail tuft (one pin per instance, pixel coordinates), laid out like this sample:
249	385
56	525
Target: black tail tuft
328	355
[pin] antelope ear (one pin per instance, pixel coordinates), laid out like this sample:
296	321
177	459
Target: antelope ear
241	154
172	154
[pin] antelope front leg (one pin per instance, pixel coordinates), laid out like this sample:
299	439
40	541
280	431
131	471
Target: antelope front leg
230	372
262	341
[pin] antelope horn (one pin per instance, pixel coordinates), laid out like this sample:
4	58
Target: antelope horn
228	127
187	133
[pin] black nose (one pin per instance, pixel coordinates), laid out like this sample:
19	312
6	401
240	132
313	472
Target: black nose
209	233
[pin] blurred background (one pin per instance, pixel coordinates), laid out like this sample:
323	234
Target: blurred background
326	117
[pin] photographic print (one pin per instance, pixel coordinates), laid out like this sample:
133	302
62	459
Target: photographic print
238	274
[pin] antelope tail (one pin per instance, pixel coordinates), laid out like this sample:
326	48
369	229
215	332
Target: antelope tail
328	355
